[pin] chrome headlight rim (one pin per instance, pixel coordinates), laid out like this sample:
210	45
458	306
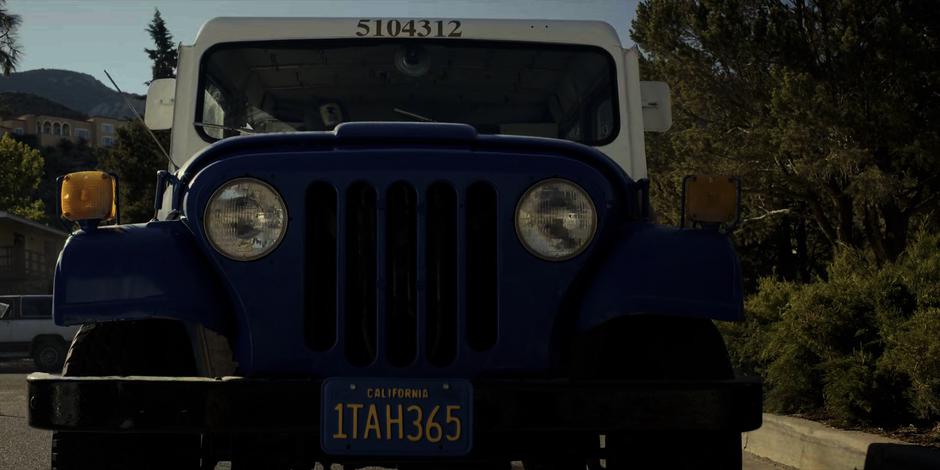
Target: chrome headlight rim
226	185
587	197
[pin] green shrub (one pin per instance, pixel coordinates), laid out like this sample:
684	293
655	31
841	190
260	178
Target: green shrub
750	338
793	379
848	387
915	353
913	338
861	347
920	268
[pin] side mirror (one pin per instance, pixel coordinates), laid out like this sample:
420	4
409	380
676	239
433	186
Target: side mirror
3	310
161	98
657	106
711	202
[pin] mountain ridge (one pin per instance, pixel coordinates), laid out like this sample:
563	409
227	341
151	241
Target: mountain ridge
77	91
15	104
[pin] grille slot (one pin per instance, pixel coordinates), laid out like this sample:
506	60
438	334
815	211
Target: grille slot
360	314
441	261
481	267
401	236
320	281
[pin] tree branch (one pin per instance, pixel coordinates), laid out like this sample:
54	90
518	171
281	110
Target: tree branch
820	215
766	214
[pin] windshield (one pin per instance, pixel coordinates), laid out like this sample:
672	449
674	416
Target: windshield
543	90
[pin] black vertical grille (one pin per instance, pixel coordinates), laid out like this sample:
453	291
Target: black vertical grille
320	281
441	260
481	267
438	237
401	297
360	314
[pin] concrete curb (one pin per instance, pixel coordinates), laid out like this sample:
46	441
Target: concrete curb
806	444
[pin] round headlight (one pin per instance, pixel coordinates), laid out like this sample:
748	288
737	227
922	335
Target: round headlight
245	219
555	219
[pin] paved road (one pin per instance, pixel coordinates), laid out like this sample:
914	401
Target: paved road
24	448
21	447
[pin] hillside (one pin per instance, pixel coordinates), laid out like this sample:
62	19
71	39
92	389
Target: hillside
78	91
17	104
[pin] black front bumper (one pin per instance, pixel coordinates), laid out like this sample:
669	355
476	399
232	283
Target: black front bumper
235	405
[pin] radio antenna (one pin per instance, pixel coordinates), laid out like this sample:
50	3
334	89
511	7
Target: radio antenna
142	123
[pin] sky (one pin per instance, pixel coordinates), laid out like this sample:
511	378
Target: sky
93	35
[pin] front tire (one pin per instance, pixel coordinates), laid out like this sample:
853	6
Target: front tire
660	348
152	347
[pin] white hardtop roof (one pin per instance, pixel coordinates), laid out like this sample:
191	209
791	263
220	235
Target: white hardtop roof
241	29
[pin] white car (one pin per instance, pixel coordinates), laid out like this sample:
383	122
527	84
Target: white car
27	330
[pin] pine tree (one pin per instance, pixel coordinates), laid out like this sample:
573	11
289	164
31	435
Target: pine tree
828	110
136	159
164	54
9	46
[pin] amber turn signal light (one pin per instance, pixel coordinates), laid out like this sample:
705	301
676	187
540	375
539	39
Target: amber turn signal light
88	196
710	201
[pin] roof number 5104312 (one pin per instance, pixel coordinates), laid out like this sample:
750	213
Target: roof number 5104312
410	28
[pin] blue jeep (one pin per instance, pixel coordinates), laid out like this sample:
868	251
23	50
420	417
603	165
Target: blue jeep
407	242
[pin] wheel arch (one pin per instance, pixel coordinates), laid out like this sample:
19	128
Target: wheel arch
135	272
656	270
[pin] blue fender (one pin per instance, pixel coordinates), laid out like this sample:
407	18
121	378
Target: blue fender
652	269
140	271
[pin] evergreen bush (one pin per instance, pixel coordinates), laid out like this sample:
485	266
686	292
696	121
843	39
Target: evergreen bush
859	347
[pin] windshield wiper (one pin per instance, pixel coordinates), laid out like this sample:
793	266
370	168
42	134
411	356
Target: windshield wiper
412	115
243	130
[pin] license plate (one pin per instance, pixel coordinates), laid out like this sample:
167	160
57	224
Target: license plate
382	416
